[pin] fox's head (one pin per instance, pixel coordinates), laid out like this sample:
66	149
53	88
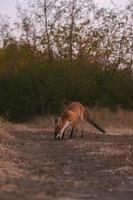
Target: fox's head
60	127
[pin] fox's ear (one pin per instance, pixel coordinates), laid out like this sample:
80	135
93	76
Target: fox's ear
57	120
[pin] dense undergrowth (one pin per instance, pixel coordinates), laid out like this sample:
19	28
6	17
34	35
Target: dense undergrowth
30	86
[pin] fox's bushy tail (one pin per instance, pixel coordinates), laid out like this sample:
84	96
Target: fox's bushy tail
89	118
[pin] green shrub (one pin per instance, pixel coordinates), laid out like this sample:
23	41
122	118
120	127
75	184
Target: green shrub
30	86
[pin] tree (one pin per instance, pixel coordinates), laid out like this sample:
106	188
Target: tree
6	32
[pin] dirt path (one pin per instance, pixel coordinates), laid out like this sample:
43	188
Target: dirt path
96	167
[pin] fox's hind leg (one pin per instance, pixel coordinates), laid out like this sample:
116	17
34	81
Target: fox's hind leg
82	130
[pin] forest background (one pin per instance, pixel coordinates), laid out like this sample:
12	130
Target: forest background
60	51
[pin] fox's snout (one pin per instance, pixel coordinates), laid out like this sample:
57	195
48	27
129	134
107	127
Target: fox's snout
58	136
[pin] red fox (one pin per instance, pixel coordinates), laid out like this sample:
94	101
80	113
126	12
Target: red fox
73	113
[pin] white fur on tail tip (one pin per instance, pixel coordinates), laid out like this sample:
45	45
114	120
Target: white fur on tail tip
59	136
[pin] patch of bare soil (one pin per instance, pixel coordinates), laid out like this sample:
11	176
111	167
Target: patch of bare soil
97	167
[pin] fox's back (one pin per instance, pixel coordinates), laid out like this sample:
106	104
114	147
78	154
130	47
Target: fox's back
73	111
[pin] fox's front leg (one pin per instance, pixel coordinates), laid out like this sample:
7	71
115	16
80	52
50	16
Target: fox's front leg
73	131
82	131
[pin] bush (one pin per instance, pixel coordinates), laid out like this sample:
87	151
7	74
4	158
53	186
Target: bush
35	87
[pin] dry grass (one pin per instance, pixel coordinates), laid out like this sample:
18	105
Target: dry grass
46	122
37	123
8	156
119	121
5	127
5	138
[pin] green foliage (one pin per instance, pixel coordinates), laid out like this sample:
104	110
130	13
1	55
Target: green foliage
30	87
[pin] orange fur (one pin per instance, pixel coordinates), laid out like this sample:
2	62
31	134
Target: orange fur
73	113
